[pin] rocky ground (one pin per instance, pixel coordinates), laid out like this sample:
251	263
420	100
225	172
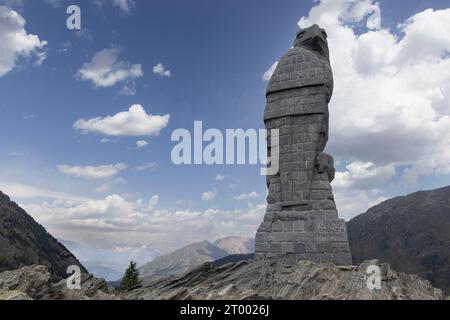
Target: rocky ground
270	279
34	283
254	279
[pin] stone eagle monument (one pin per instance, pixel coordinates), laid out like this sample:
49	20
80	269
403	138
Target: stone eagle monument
301	221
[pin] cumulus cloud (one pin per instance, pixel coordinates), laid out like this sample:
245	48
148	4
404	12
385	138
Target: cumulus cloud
114	218
134	122
246	196
268	74
353	202
92	172
209	195
391	104
15	43
105	70
220	177
161	70
360	175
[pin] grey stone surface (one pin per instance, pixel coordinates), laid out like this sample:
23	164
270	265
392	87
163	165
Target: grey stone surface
267	279
301	222
34	282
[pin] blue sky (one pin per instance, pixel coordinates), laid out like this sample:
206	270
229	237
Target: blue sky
388	129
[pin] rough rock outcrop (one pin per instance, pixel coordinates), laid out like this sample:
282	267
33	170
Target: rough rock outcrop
92	288
14	296
34	282
24	242
253	279
272	279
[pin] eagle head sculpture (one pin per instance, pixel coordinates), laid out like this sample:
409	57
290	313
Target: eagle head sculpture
313	38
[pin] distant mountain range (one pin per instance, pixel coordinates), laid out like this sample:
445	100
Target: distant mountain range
236	245
193	255
411	233
24	242
110	261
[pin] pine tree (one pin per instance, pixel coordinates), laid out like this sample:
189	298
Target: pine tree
130	278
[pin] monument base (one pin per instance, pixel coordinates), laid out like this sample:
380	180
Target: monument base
291	236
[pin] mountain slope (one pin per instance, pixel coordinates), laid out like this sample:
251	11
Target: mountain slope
182	260
411	233
24	242
236	245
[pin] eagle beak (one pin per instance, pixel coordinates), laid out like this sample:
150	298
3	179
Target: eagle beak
317	36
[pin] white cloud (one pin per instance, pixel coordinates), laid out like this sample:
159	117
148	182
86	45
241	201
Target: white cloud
114	218
209	195
356	11
361	175
93	172
16	43
220	177
105	70
246	196
391	104
268	74
153	202
134	122
103	188
159	69
25	191
146	166
353	202
141	144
